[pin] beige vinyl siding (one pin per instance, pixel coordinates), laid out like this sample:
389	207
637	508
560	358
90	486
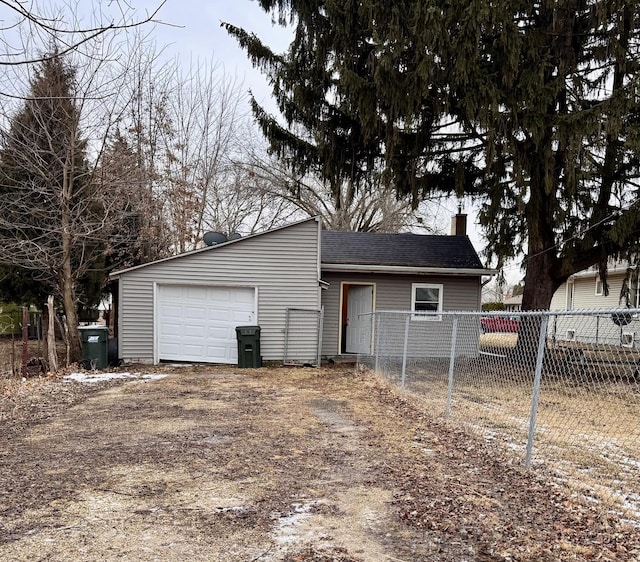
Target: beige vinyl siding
303	335
593	329
393	292
584	295
559	299
281	264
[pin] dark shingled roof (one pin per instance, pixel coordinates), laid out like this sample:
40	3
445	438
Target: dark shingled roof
408	250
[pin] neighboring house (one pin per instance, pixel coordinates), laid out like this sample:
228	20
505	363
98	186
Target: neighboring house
584	291
186	308
513	304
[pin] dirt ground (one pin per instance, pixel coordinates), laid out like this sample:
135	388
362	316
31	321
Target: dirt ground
293	465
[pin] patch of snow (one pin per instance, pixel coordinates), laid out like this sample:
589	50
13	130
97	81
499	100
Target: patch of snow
240	509
89	378
287	529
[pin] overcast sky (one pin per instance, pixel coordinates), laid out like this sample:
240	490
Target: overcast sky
193	28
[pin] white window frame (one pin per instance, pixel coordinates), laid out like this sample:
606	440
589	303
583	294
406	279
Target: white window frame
571	292
571	334
599	290
418	315
627	339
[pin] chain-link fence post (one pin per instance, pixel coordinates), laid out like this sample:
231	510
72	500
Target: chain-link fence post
536	387
404	351
378	320
452	361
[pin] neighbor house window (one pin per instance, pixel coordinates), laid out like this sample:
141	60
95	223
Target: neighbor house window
598	287
570	294
426	298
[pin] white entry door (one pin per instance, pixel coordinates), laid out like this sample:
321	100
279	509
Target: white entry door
359	304
199	323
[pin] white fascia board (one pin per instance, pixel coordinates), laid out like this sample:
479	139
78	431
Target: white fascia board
398	269
616	270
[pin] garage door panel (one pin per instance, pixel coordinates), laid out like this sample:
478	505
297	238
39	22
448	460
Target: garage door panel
172	292
169	311
198	323
193	350
194	312
220	294
218	333
218	314
193	331
172	349
170	329
240	297
219	351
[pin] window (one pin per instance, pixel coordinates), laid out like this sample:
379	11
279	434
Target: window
426	298
570	293
598	287
627	339
571	335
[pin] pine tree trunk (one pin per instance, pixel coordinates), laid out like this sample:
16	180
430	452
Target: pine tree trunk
540	285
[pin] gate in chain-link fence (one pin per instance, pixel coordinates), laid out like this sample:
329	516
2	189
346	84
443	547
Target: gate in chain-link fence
303	336
561	389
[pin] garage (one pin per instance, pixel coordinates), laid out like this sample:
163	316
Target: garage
197	323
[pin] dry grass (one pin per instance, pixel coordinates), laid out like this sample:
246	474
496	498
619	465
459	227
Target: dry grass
11	357
276	465
500	340
587	431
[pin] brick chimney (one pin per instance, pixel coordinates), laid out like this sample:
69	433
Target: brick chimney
459	224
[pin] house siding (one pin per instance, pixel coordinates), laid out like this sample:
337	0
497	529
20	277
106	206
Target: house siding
282	264
302	337
585	297
593	329
393	292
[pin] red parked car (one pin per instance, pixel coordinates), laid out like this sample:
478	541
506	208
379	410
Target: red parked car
500	324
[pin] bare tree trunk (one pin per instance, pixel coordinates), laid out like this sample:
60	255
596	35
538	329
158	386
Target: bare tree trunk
44	330
25	340
74	354
51	336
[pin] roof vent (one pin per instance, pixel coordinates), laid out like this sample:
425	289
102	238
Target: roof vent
213	238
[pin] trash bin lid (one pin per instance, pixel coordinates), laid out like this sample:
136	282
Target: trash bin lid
247	330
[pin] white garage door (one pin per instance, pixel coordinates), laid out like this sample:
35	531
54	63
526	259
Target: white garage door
198	323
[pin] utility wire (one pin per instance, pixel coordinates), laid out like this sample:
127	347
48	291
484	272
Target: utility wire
581	233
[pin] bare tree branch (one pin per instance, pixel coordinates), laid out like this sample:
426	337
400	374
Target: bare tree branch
29	18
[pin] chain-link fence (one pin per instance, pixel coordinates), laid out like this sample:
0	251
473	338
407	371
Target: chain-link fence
561	389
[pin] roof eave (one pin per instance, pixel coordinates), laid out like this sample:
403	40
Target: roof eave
616	270
398	269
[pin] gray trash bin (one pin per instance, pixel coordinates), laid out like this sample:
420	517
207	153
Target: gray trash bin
95	346
248	347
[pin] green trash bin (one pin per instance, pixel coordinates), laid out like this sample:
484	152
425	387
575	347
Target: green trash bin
248	347
95	346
